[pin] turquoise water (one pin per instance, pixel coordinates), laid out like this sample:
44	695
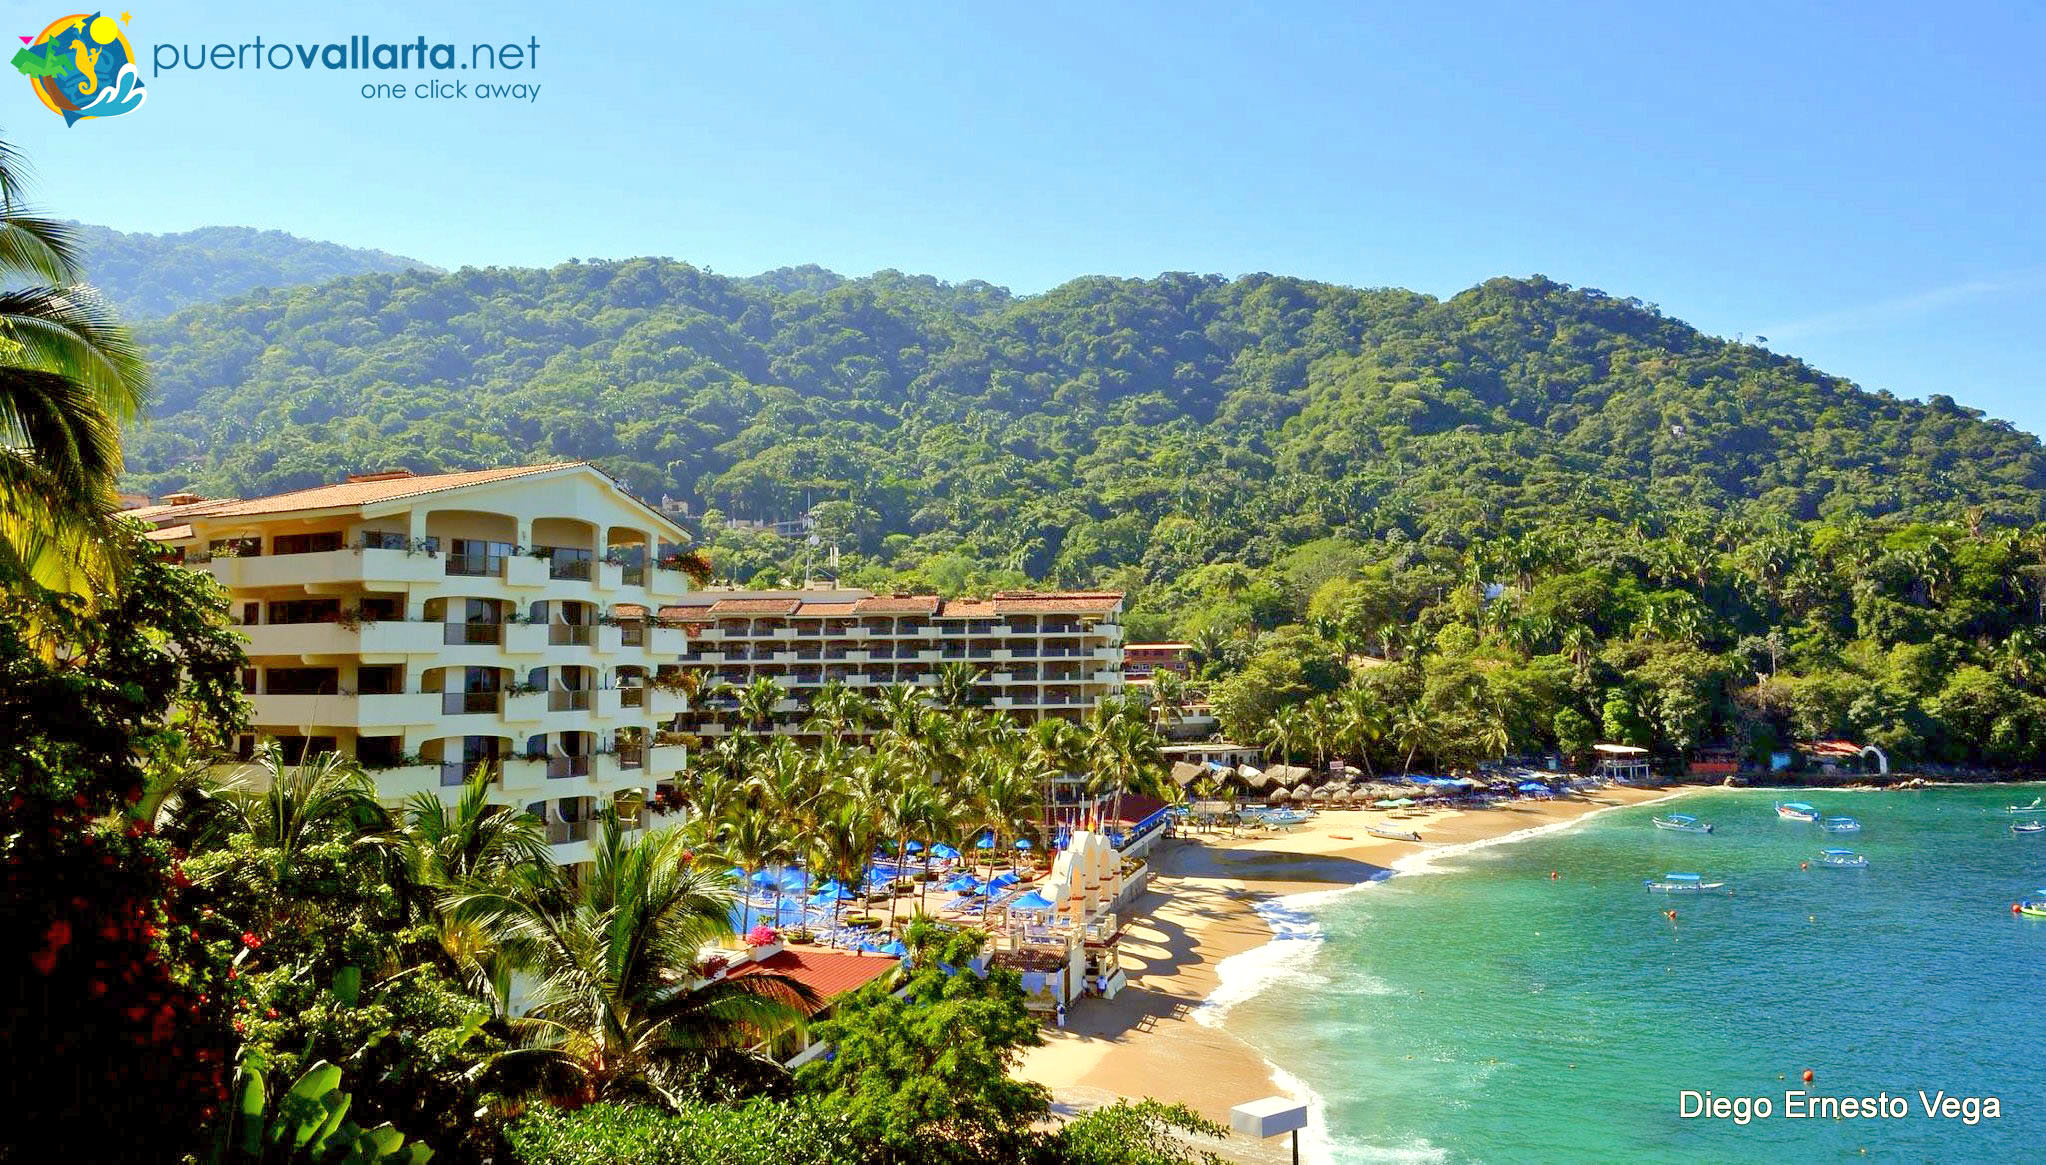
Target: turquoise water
1485	1012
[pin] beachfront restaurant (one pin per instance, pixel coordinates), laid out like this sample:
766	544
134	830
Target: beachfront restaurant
1622	764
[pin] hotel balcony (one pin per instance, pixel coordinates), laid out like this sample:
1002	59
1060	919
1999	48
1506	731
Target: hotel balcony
334	639
328	568
394	710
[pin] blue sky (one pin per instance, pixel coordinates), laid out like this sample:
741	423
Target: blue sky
1860	183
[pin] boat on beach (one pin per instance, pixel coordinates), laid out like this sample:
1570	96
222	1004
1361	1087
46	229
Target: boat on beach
1796	811
2027	828
1682	823
1842	859
1391	834
2034	807
1840	825
1681	884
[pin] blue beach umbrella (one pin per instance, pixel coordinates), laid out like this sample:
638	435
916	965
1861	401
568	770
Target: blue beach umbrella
915	847
1022	843
1032	903
895	948
832	891
944	851
765	879
1003	881
963	884
987	841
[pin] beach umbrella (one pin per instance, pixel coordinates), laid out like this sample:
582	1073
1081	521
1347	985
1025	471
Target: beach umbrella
915	847
765	879
832	891
1533	787
1278	797
1031	903
963	884
894	948
1299	794
1022	843
944	852
987	841
736	873
1003	881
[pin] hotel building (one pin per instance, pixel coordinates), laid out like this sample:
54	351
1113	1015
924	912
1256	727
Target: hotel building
425	625
1039	654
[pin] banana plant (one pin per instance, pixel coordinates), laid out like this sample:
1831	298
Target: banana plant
308	1125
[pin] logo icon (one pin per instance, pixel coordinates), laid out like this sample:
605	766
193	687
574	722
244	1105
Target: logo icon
82	66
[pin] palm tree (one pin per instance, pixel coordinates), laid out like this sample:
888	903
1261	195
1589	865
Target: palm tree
469	846
757	702
754	837
1360	722
70	376
845	839
322	798
1123	750
839	711
958	685
619	1006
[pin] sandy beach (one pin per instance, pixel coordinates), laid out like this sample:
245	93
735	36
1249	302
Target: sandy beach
1199	910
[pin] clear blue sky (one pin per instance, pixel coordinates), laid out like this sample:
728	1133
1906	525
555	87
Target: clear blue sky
1860	183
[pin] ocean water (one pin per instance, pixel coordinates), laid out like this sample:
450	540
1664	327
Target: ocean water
1472	1008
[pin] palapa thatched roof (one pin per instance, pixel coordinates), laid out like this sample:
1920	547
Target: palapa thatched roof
1184	773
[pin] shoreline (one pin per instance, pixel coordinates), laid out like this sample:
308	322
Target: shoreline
1214	925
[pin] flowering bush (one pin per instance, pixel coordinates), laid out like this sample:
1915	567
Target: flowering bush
761	936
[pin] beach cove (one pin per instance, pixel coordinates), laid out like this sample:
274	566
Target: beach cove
1204	933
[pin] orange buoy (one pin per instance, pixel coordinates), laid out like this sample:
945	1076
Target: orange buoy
1807	1075
2014	908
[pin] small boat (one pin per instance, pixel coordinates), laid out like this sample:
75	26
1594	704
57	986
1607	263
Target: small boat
1796	811
1842	859
2034	807
1840	825
1682	823
1681	884
2028	827
1391	834
2032	907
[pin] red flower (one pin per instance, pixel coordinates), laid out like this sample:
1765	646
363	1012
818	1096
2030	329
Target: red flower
250	940
239	1026
45	960
59	933
269	1013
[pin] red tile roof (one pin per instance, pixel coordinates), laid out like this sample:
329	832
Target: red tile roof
828	974
344	494
755	606
841	609
899	605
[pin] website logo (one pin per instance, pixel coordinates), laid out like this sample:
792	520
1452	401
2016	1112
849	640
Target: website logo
82	66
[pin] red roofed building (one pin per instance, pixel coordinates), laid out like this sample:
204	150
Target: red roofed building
1039	653
830	976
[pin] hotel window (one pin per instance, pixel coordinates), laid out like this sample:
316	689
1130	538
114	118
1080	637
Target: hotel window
302	681
379	752
382	680
236	547
300	749
248	681
477	556
252	614
307	543
305	611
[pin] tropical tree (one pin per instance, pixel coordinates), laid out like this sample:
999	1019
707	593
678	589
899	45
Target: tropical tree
619	1008
70	376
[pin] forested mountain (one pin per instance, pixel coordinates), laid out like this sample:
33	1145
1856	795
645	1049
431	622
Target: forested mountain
1558	514
1107	421
155	275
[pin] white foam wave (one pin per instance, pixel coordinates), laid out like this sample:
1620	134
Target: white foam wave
1319	1147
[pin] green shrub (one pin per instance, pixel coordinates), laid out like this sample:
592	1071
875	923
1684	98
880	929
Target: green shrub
760	1132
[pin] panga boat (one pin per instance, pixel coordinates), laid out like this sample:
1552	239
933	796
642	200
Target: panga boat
1681	884
1682	823
1842	859
1840	825
2031	907
1796	811
1391	833
2034	807
2027	828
